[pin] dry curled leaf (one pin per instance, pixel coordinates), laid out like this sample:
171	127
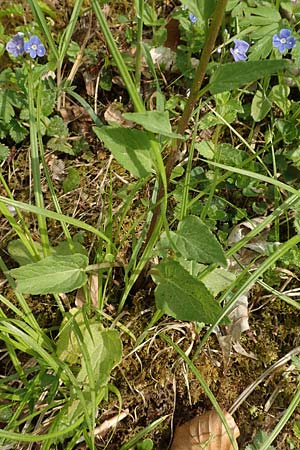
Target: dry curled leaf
205	431
57	167
229	337
114	116
93	287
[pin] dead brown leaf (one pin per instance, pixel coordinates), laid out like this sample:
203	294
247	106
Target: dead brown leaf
93	290
114	116
57	167
230	336
205	432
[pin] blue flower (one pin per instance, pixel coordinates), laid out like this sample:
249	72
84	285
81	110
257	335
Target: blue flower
34	47
240	49
16	45
192	18
284	41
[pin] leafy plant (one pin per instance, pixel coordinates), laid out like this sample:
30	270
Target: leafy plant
214	139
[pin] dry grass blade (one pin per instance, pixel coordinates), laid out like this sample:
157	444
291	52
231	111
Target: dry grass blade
205	432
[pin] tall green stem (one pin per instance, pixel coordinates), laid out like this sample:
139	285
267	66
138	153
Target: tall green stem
202	66
138	56
193	98
132	90
35	162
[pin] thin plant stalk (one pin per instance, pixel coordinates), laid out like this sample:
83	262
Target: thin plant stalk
138	105
20	228
59	53
141	434
203	63
25	238
139	48
54	215
191	102
35	162
41	21
45	167
282	422
204	386
127	79
187	178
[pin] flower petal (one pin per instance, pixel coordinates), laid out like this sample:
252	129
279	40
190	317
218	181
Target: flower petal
242	46
192	18
32	53
284	33
34	40
290	42
237	55
276	40
27	46
41	50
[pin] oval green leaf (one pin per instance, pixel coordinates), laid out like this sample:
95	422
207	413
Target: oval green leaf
52	275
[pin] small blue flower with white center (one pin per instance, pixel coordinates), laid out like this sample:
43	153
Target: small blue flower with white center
16	45
240	49
284	41
34	47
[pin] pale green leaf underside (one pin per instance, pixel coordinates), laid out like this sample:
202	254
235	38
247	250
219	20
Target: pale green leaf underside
52	275
154	121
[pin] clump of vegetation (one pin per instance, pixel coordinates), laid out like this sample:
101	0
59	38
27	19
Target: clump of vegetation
149	200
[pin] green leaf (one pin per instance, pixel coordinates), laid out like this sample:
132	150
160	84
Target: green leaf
52	275
182	296
6	109
4	152
260	106
67	346
258	441
234	75
19	252
195	241
279	95
130	147
60	144
56	126
263	46
201	9
218	280
205	149
63	248
48	101
147	444
154	121
105	351
72	180
17	131
103	346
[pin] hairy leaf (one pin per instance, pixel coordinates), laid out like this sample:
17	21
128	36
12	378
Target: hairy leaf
52	275
234	75
130	147
154	121
195	241
182	296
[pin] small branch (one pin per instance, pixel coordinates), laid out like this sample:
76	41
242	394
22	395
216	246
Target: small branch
193	98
